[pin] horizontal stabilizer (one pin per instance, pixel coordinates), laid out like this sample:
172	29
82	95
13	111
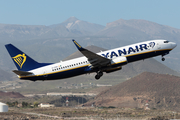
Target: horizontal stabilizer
22	73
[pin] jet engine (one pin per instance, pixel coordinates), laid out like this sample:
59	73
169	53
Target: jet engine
116	64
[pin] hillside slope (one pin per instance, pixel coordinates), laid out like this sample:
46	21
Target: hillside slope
10	95
6	76
158	90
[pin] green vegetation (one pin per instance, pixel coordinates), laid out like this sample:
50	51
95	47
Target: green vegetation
13	104
36	104
16	104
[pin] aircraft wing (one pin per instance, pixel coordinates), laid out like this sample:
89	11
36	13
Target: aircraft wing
95	59
22	73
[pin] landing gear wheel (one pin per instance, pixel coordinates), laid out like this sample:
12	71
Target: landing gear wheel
97	77
99	74
163	59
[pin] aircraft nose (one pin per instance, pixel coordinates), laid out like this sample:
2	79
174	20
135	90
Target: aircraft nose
173	44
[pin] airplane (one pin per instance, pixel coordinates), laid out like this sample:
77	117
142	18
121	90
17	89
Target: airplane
105	61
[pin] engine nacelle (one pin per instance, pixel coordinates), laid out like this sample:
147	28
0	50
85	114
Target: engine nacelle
112	69
116	64
119	61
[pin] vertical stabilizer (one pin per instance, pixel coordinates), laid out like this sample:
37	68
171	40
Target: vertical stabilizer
22	61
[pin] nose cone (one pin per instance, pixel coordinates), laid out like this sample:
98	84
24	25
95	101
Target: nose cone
173	45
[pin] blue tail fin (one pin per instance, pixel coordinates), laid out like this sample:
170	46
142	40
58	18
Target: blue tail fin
22	61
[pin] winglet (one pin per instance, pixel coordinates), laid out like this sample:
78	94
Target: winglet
77	45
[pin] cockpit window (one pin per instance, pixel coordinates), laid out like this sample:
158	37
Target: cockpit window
166	41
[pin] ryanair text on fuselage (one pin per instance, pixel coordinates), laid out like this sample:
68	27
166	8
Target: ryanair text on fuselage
125	51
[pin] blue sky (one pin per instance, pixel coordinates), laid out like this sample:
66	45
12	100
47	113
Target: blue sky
48	12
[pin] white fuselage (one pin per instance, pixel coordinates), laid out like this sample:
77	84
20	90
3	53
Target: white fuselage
81	65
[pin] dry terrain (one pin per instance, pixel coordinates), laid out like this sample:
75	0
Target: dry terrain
86	114
150	90
10	95
147	96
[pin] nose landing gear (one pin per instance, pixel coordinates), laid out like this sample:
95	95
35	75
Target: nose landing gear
99	74
163	59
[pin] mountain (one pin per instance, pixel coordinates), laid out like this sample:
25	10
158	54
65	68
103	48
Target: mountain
156	90
139	30
6	76
25	32
40	41
72	27
85	28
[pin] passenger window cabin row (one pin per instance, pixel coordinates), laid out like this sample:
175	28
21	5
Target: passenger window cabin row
69	66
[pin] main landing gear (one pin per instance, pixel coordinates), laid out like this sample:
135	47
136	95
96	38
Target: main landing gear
163	59
99	74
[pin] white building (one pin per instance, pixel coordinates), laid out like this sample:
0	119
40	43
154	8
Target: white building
46	105
3	107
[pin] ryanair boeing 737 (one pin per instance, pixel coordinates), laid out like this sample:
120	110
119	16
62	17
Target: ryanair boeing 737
105	61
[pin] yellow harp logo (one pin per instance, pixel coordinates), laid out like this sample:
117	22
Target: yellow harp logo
20	59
